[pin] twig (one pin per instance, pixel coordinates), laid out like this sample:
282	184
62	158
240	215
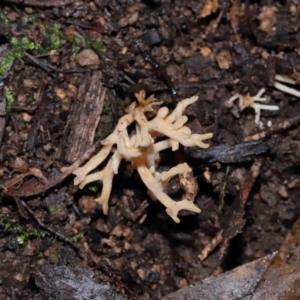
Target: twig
42	3
275	129
215	242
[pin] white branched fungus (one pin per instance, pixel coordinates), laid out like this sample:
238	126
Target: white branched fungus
250	101
142	151
285	88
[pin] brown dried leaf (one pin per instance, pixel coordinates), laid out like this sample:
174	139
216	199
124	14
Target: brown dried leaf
210	6
236	284
282	278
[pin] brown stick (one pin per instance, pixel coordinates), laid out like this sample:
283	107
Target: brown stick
42	3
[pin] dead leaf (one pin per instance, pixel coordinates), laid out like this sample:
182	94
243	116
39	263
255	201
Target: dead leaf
233	285
282	278
210	6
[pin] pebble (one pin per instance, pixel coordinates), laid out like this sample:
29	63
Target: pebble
117	231
87	205
26	117
224	59
197	64
28	83
88	58
282	191
28	10
29	248
60	93
152	37
13	16
20	165
268	195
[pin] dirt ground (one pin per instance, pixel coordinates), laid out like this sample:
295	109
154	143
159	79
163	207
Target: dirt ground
174	50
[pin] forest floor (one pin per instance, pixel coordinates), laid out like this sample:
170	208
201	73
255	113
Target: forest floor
65	63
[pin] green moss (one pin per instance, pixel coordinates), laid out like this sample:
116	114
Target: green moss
55	209
78	44
29	234
23	234
10	99
19	46
76	237
53	39
223	188
3	18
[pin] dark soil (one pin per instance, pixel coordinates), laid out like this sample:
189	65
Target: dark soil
172	50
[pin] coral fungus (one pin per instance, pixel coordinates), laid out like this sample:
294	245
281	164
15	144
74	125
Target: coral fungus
141	149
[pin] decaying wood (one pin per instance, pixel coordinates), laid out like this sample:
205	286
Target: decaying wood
2	113
3	53
42	3
84	117
45	105
234	21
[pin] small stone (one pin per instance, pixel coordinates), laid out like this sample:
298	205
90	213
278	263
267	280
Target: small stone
68	11
20	165
197	64
102	22
13	16
224	59
87	205
205	51
151	37
28	10
123	22
127	232
60	93
28	83
117	231
88	58
29	248
102	226
26	117
132	19
268	196
282	191
72	90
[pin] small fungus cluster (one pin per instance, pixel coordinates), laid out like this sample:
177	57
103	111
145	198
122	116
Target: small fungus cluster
250	101
141	148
